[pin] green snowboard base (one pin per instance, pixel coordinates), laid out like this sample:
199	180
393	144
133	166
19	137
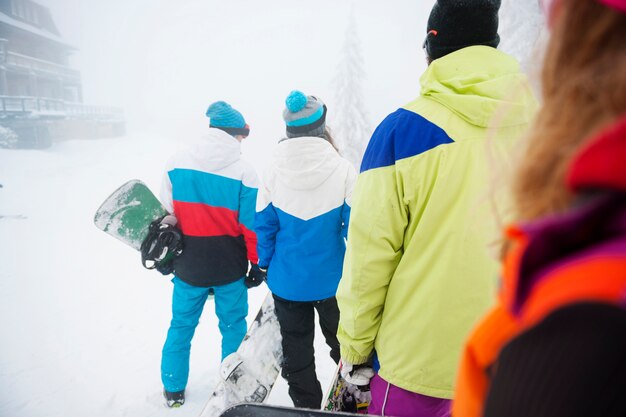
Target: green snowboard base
127	213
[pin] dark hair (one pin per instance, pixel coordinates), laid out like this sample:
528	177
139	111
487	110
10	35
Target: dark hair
326	135
329	137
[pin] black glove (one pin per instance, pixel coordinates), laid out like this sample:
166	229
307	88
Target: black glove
255	276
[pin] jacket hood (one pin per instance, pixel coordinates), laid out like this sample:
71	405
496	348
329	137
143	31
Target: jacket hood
480	83
304	163
216	150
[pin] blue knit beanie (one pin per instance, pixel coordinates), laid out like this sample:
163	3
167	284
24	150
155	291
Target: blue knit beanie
304	115
224	117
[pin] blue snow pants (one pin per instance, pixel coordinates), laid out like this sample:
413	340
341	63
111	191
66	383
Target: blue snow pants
231	308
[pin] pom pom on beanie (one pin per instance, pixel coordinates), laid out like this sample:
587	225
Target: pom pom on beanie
295	101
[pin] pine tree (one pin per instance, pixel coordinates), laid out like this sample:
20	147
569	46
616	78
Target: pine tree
521	28
351	126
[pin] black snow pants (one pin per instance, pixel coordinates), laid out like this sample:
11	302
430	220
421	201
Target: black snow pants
297	328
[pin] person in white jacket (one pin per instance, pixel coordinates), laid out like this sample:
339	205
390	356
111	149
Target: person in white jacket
303	209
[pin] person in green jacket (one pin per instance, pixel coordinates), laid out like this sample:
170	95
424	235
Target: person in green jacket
418	272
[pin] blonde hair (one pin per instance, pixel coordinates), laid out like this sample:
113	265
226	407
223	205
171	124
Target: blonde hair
584	89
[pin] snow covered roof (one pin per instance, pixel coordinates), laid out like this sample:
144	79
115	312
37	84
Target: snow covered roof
4	18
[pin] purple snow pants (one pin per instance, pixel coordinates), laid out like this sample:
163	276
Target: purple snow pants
389	400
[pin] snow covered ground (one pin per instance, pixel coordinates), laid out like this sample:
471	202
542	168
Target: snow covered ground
82	322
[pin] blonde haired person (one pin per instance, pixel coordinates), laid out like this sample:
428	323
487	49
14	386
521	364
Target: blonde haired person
555	345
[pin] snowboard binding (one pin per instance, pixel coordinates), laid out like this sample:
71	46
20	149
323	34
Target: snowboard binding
232	371
162	245
355	398
346	397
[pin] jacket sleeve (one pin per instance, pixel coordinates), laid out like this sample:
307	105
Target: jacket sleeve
377	226
266	225
247	205
166	193
347	205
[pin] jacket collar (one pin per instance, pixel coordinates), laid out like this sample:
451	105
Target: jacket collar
596	226
602	163
592	230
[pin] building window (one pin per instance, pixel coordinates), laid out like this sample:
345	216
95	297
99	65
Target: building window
25	11
31	13
17	8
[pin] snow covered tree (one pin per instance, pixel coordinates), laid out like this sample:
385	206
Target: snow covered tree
351	126
521	29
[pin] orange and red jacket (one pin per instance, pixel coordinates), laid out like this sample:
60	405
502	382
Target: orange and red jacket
575	257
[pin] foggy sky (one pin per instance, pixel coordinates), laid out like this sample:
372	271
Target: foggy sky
165	61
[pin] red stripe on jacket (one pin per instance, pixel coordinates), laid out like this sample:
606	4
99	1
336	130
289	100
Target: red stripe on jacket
201	220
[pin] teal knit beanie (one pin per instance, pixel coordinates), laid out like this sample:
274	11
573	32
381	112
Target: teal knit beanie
223	116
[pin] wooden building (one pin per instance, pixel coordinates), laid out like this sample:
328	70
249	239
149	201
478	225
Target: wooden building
40	94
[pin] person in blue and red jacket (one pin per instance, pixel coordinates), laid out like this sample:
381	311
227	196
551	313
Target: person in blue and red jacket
212	193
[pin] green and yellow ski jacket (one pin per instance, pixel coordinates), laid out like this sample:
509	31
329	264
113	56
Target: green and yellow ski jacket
418	273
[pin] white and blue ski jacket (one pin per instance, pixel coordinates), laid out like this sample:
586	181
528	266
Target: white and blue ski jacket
212	193
303	209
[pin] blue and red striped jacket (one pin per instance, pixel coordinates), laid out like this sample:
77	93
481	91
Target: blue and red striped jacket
212	193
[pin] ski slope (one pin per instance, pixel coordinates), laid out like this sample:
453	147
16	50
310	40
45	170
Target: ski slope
82	322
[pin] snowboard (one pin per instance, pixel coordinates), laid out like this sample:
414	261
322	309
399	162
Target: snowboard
342	396
249	374
263	410
127	213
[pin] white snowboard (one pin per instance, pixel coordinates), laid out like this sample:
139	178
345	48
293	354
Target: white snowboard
249	374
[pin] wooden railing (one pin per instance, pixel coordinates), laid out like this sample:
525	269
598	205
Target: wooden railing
36	64
30	104
16	105
78	109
